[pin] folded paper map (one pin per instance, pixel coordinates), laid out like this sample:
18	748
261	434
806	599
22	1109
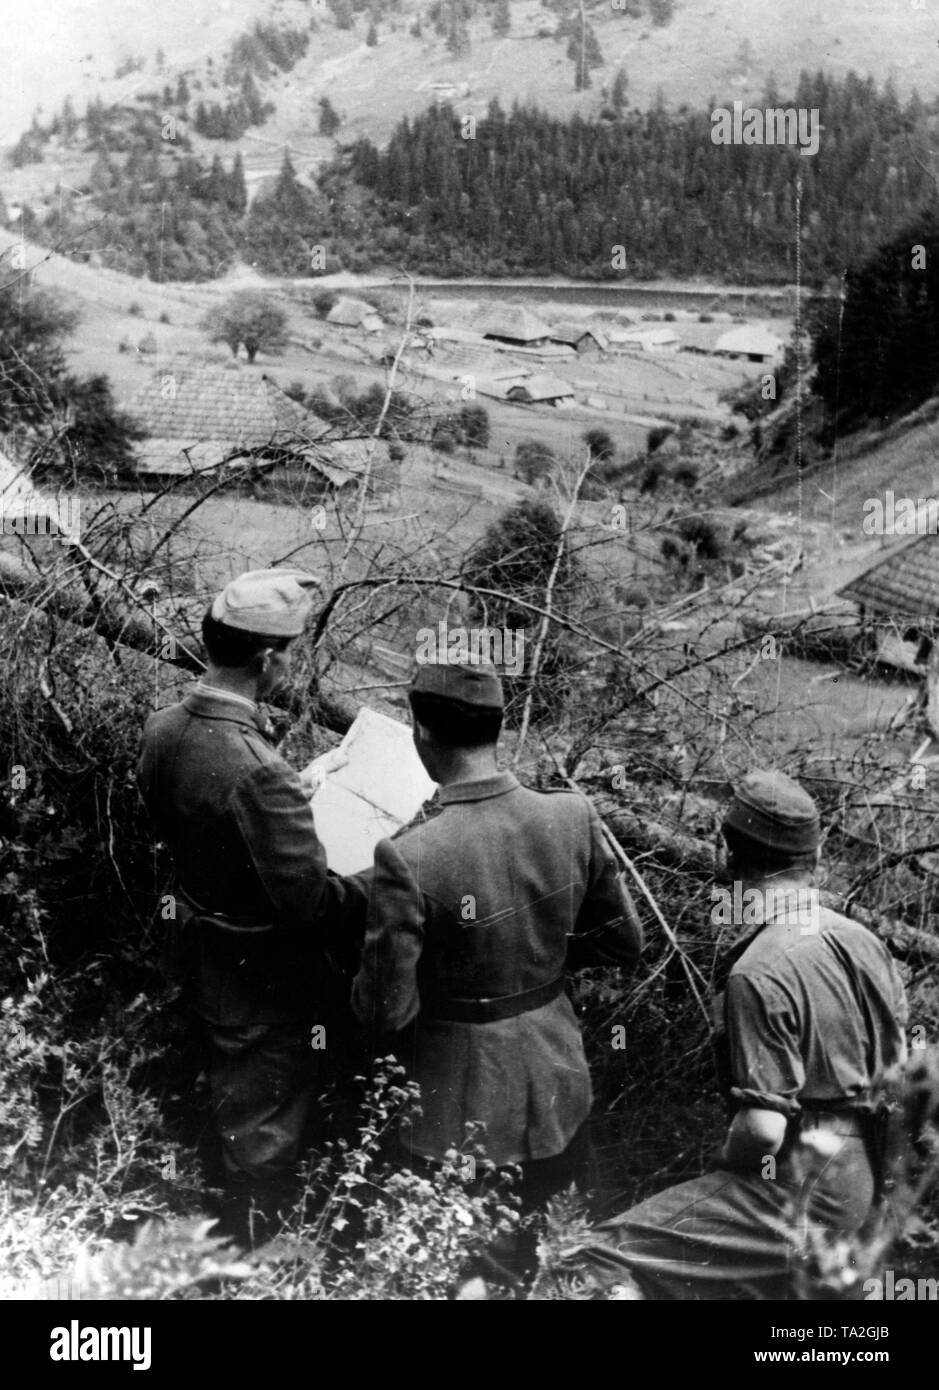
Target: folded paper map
366	789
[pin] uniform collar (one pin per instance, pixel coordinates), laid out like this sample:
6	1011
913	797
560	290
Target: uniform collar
479	791
217	693
208	702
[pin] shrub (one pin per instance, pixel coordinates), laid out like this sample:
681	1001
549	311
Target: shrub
657	436
703	535
446	434
653	475
685	474
600	443
325	301
474	424
533	460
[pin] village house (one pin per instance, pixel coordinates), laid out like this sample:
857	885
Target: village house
752	342
541	389
898	600
582	338
354	313
199	419
346	462
643	340
517	328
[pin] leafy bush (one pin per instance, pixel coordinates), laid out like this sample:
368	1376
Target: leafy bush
600	443
446	434
474	426
533	460
657	436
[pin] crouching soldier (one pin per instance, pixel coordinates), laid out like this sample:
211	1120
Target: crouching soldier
815	1014
475	916
261	925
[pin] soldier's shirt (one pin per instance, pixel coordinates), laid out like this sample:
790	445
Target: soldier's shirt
494	896
815	1016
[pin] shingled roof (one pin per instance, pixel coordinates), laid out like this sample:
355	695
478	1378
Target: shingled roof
574	333
516	326
540	387
236	407
904	584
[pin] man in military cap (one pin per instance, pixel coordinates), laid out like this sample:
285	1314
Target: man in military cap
260	921
474	918
815	1013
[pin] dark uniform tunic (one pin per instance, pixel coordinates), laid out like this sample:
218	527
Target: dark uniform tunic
814	1019
473	918
255	905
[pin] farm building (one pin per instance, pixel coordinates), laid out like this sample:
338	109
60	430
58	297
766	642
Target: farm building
541	389
198	418
444	333
345	462
899	598
354	313
643	340
754	343
580	337
518	328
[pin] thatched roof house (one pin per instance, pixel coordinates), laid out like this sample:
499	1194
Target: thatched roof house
903	586
354	313
580	336
517	327
541	389
198	418
752	342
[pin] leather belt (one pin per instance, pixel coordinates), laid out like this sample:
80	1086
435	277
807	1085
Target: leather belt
495	1009
850	1124
247	926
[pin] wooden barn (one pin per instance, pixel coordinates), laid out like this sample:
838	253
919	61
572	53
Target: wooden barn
581	337
355	313
517	328
541	389
200	419
898	598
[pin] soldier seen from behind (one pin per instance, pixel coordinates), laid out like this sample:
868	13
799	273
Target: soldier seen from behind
263	929
814	1012
475	918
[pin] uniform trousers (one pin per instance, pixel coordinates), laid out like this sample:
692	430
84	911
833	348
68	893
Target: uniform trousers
733	1235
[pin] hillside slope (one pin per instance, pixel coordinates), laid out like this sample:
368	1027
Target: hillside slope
711	49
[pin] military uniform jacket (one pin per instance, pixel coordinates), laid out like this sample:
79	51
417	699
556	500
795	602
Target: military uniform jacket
491	900
248	860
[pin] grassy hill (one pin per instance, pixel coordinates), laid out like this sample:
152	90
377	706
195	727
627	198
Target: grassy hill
713	49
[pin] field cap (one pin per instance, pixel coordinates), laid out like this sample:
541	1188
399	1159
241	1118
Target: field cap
470	683
270	603
773	811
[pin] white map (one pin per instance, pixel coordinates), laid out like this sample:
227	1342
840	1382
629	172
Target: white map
366	789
